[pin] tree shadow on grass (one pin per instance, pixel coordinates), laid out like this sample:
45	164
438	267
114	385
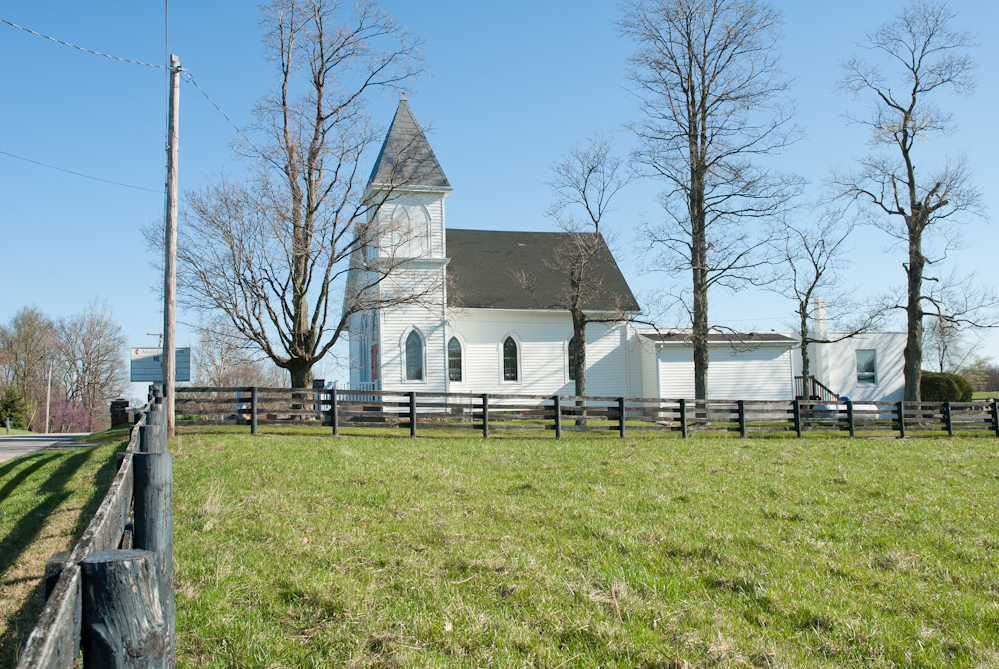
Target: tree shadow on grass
52	493
19	478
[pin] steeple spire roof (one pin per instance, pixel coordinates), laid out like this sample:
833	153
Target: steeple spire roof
406	159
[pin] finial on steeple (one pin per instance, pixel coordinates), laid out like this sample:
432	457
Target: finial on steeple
403	97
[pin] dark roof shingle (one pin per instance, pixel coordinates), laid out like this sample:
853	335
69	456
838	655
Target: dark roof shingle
485	264
406	159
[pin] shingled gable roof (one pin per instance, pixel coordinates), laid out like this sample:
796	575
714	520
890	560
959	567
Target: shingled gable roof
406	159
484	266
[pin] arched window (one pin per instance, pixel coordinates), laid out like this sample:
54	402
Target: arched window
454	360
572	359
510	359
414	357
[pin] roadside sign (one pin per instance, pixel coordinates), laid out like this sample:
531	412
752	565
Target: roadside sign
147	365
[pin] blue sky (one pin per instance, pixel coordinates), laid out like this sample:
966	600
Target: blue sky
512	85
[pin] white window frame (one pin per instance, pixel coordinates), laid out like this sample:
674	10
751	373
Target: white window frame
404	359
464	354
875	353
520	360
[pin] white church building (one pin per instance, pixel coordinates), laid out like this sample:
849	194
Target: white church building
480	330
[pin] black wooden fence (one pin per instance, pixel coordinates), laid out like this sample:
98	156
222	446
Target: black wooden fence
417	411
112	595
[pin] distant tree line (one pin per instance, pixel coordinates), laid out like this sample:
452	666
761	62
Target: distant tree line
82	356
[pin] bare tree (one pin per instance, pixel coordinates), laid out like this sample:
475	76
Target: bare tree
224	358
808	257
587	178
27	344
915	57
273	252
91	348
708	75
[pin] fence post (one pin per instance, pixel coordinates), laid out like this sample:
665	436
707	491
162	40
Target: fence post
485	415
335	413
683	418
949	419
557	404
901	419
995	416
620	416
797	417
153	524
122	616
53	570
741	404
253	409
849	418
412	414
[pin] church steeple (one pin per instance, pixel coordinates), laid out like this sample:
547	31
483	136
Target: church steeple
406	159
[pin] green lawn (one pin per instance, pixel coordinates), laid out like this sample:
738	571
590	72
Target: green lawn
986	395
13	431
46	501
644	552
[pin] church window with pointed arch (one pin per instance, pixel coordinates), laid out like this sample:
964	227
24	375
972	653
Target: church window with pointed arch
572	359
454	360
510	360
414	356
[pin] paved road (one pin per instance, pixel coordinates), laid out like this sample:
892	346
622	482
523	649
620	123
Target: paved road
15	446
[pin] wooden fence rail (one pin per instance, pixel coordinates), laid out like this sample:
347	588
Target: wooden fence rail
112	595
415	411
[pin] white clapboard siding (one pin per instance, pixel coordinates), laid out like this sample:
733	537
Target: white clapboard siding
839	365
762	373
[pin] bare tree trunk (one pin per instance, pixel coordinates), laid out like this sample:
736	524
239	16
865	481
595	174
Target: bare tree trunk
806	363
698	256
914	318
579	360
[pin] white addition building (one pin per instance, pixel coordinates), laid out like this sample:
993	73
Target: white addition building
478	329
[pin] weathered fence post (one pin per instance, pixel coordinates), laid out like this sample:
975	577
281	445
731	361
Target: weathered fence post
620	416
122	616
335	412
949	419
741	404
254	392
995	416
485	415
557	405
797	417
850	419
901	419
153	524
683	418
53	570
412	414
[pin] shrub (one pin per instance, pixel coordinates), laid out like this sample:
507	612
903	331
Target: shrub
936	387
967	393
13	406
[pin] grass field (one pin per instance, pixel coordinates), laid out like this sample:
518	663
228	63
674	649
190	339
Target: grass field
643	552
46	500
986	395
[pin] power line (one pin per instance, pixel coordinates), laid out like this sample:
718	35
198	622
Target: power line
85	176
191	79
96	53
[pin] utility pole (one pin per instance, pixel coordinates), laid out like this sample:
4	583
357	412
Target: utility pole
170	266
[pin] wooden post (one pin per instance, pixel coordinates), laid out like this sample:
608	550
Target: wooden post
485	415
849	418
53	570
683	418
253	409
412	414
149	436
995	416
949	419
335	412
557	404
741	404
122	616
153	524
170	249
620	417
797	417
901	419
